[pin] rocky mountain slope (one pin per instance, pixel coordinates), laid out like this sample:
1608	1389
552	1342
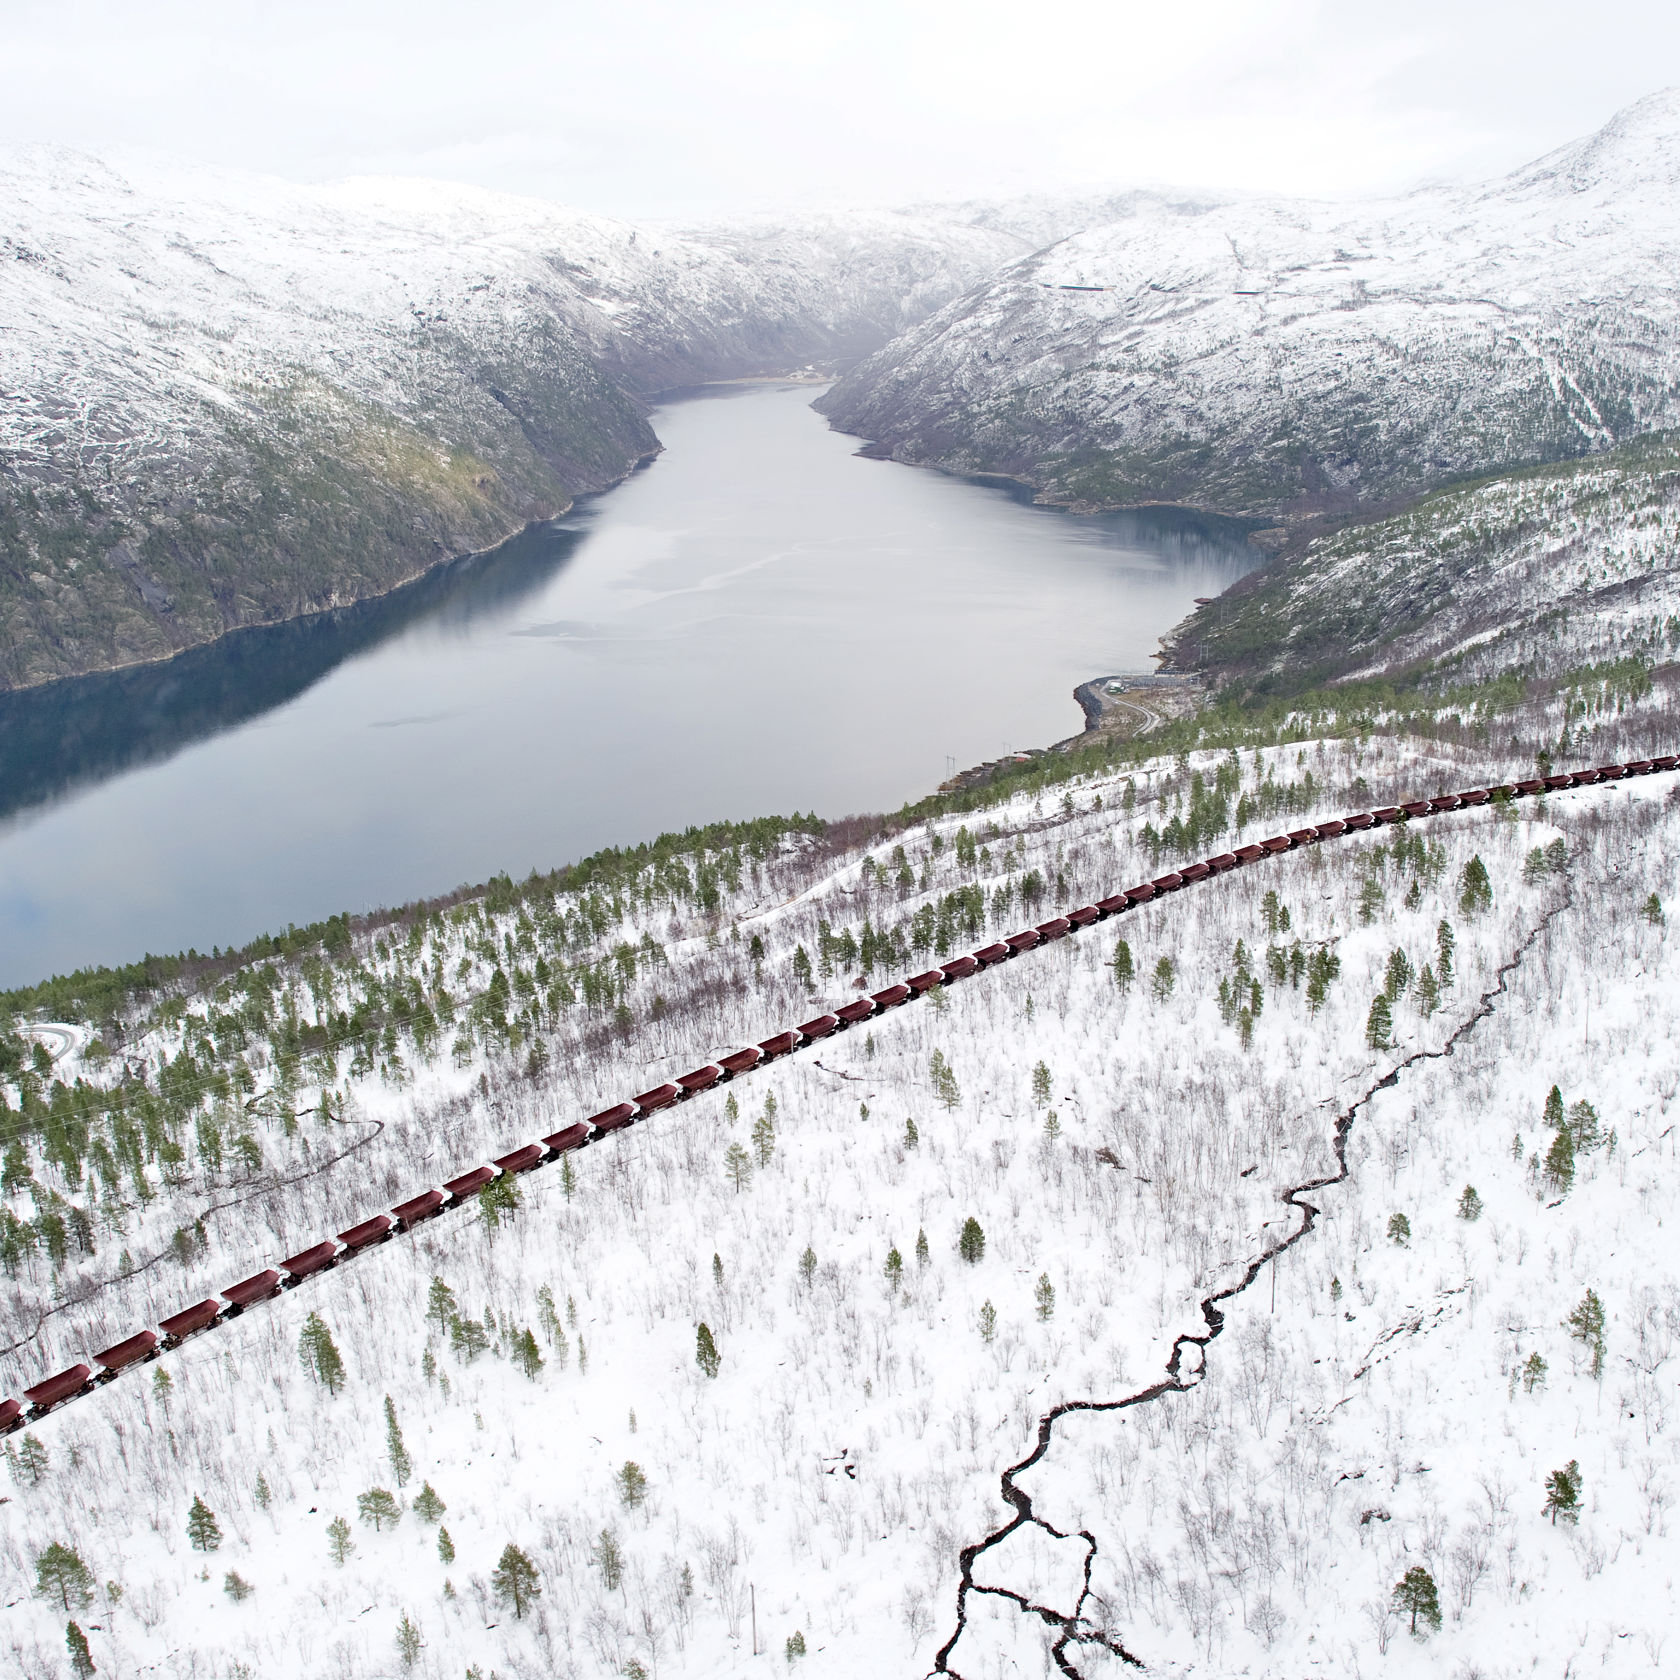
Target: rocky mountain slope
1278	356
228	400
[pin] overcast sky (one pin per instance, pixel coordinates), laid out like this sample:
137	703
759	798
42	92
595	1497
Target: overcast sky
659	107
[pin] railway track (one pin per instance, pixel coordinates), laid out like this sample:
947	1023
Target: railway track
146	1345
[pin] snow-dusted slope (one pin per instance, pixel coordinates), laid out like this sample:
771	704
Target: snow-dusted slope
1276	356
226	399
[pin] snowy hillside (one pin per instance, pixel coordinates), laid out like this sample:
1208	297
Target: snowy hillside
1280	356
226	399
830	1476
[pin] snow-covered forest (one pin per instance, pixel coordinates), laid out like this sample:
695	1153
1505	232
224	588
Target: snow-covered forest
504	1444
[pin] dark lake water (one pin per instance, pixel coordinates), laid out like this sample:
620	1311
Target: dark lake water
757	622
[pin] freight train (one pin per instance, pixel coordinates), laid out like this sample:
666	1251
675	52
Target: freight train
238	1298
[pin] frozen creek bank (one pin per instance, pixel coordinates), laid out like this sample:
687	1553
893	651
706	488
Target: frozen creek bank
852	1441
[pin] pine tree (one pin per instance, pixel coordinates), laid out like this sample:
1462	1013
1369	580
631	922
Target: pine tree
1475	891
61	1574
81	1658
923	1255
548	1318
894	1269
1415	1592
427	1506
1653	911
467	1338
203	1531
446	1548
737	1164
1125	971
1269	910
236	1586
1335	1290
319	1354
1045	1297
1163	980
1563	1494
1533	1373
1470	1204
988	1323
609	1559
440	1303
1370	900
514	1579
33	1458
632	1485
944	1080
1560	1161
402	1466
264	1495
163	1386
379	1506
795	1647
1379	1024
1584	1131
1399	1229
1397	976
1553	1114
911	1136
808	1265
527	1355
706	1354
339	1543
1586	1325
1428	992
1041	1085
764	1139
1444	953
802	968
971	1243
409	1642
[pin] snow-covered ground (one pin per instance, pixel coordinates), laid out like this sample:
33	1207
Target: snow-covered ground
827	1478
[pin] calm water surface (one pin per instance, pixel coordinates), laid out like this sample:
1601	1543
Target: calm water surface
757	622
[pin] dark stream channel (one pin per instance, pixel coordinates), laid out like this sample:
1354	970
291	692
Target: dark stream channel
758	622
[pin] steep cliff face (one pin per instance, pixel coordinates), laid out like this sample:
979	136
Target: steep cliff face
228	400
1273	357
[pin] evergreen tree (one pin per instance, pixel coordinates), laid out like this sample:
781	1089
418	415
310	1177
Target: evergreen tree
808	1265
1125	971
1269	910
1563	1494
339	1543
409	1642
467	1338
894	1268
911	1136
944	1081
440	1303
609	1559
1162	982
81	1658
1397	976
264	1495
203	1531
1653	911
795	1647
923	1256
61	1574
1415	1593
33	1458
1041	1085
1553	1114
802	968
1399	1229
764	1139
988	1323
514	1579
320	1355
632	1485
717	1271
737	1164
1045	1297
1475	891
379	1507
1379	1024
163	1386
402	1466
446	1548
1533	1373
1470	1204
548	1318
427	1506
1560	1161
1444	953
526	1354
1586	1325
1583	1127
1370	900
1428	992
971	1243
706	1354
236	1586
1335	1290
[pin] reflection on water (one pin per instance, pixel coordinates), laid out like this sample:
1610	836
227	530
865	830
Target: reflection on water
759	621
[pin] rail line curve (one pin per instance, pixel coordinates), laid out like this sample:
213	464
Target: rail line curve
148	1344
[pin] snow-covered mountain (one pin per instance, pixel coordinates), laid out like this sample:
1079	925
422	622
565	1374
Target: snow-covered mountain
1275	356
226	399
